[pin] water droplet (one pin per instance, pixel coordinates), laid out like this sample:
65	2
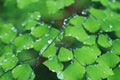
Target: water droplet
60	76
50	41
20	34
6	69
5	60
47	35
38	18
65	21
53	70
69	58
23	24
111	26
18	50
71	62
13	55
118	65
84	42
38	40
43	48
0	63
32	28
84	13
50	58
14	29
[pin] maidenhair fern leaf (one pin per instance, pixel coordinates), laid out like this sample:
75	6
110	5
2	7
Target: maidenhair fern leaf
50	52
74	71
116	46
7	33
53	64
98	72
109	59
77	32
40	31
104	41
89	24
8	61
85	55
23	42
65	54
18	72
116	74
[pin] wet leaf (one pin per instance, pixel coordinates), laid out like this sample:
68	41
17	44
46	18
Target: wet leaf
89	24
104	41
116	74
85	55
18	72
116	46
65	54
7	33
98	72
50	52
109	59
53	64
68	73
77	32
8	61
40	31
23	42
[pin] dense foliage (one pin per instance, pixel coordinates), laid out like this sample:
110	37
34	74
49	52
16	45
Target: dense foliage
59	39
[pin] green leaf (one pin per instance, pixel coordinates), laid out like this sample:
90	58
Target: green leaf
35	15
50	52
7	76
24	3
97	13
116	75
77	20
30	24
53	33
98	72
117	33
104	2
116	46
41	44
77	32
109	59
97	51
53	64
85	55
89	24
73	72
1	71
104	41
8	49
7	33
23	42
90	40
18	72
115	5
40	31
54	6
65	54
8	61
68	3
111	23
